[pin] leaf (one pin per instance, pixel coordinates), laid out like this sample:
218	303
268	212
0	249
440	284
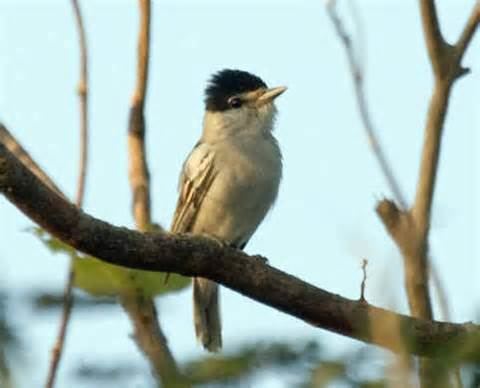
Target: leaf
100	278
104	279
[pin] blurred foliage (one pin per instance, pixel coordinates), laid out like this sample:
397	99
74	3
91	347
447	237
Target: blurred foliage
45	300
248	361
103	279
9	344
299	365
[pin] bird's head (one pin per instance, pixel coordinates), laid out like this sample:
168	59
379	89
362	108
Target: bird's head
238	102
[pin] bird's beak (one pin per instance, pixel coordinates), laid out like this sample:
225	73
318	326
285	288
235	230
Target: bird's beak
270	95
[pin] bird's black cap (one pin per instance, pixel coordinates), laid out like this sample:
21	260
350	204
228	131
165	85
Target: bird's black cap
227	83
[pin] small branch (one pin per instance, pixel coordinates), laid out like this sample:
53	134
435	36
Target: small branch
139	174
358	81
142	311
436	45
421	210
364	280
83	96
467	35
57	349
200	256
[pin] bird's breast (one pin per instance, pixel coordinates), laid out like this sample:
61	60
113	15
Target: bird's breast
246	183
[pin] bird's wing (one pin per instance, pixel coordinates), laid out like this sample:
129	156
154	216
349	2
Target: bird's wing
195	180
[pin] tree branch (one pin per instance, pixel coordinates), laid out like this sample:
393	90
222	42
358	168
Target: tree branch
141	310
468	32
358	82
82	174
83	96
139	174
248	275
16	148
436	45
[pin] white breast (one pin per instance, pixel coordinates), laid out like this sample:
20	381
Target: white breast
248	172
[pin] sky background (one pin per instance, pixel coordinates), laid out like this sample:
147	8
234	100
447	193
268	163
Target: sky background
324	221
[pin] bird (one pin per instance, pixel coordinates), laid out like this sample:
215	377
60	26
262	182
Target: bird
230	179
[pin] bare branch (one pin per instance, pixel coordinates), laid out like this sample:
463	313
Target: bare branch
16	148
248	275
410	228
358	80
436	45
57	349
82	174
83	96
142	311
445	60
139	174
364	280
467	35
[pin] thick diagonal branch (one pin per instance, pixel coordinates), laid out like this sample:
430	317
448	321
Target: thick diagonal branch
197	256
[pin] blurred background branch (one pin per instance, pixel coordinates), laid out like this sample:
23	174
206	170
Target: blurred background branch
141	309
409	228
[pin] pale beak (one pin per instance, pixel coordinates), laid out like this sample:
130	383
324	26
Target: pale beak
270	95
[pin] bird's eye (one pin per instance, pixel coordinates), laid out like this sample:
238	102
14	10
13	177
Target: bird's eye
235	102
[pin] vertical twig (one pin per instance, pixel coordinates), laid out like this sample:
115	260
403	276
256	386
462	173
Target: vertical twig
358	79
82	168
83	96
364	280
138	168
389	328
141	310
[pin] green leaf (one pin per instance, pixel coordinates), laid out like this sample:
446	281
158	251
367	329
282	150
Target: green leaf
103	279
100	278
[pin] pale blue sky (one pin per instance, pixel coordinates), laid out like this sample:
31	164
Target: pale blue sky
323	223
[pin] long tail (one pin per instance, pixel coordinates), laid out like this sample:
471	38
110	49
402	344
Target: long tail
206	314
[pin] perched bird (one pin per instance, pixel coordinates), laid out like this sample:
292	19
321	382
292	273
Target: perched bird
230	179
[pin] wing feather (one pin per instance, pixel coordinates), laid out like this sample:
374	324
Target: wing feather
196	178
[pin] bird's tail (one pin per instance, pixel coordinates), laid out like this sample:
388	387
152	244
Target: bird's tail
206	314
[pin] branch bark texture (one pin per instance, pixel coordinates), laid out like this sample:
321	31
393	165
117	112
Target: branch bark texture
248	275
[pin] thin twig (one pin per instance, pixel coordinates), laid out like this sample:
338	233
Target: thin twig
83	97
358	80
468	32
364	280
141	310
57	348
